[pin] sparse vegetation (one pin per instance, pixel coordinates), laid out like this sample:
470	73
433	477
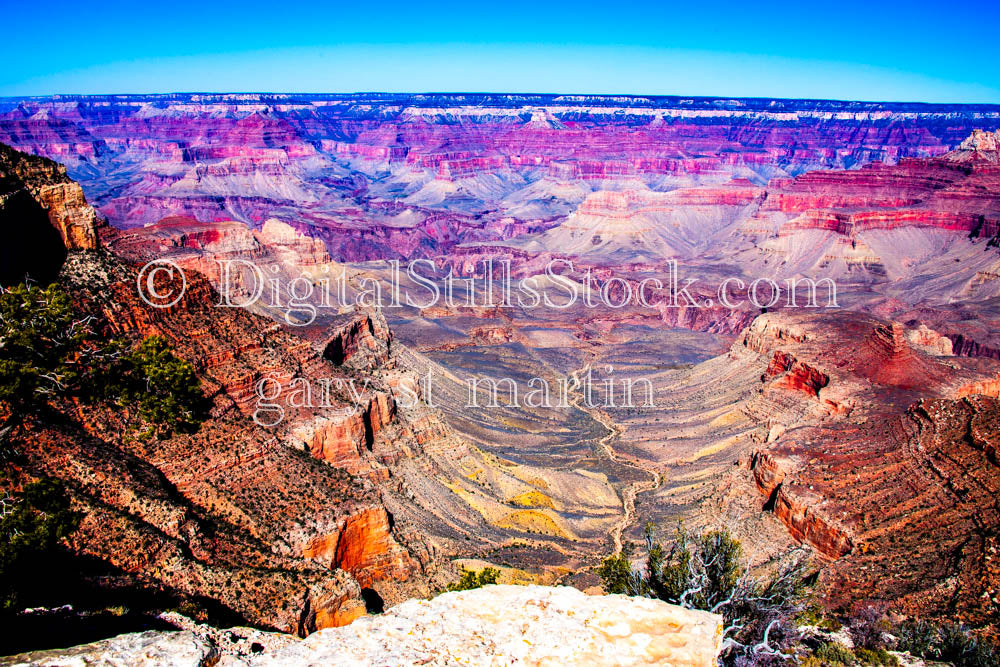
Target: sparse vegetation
706	572
41	345
471	579
163	385
917	637
815	616
880	656
48	351
869	627
833	654
953	643
32	524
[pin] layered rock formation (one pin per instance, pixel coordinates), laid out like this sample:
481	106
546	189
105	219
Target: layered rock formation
380	176
42	214
874	452
823	409
190	514
350	502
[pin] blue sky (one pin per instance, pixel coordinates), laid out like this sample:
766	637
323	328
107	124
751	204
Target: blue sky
889	50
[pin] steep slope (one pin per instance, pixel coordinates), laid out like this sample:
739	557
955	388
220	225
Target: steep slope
435	453
881	459
42	213
233	518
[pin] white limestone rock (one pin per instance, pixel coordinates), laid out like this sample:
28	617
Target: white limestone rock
515	625
488	627
138	649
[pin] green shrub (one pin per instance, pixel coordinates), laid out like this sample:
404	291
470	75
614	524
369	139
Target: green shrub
33	523
617	576
40	343
917	637
706	572
954	643
815	616
834	654
47	350
878	656
471	579
164	386
960	646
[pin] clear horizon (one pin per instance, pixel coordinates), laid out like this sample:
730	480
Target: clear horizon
890	51
491	92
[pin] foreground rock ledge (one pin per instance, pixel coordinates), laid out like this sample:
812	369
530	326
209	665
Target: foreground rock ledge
523	625
491	626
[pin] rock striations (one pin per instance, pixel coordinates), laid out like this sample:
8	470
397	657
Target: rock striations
236	519
862	425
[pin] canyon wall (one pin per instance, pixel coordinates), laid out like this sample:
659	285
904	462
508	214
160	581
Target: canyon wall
388	176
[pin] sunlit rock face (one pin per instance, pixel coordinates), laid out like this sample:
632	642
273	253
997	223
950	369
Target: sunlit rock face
525	625
145	649
381	176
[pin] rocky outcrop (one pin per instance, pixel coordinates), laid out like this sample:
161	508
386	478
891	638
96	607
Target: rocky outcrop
805	524
42	215
532	625
145	649
363	545
795	375
337	439
767	474
362	344
344	437
930	341
61	197
795	508
884	489
982	142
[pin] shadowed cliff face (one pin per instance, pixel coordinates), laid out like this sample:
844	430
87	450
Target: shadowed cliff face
42	214
34	218
32	248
